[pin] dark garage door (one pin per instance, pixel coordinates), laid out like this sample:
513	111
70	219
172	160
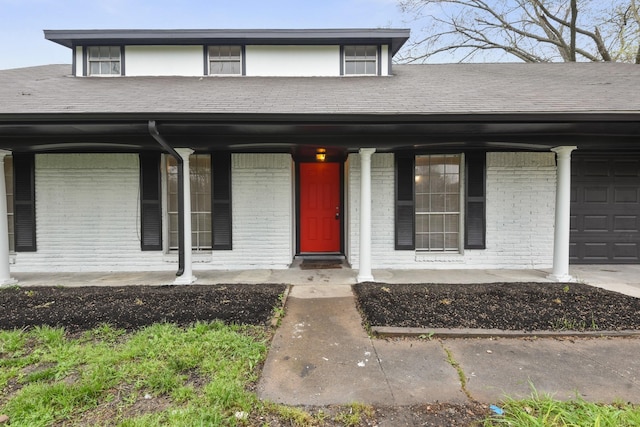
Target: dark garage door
605	194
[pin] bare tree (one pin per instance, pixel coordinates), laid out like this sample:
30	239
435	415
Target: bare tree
530	30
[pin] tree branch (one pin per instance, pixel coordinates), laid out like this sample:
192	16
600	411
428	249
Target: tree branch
595	36
572	29
530	30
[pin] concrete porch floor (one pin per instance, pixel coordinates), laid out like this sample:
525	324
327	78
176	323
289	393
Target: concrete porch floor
620	278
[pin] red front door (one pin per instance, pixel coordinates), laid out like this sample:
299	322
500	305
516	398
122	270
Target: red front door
320	207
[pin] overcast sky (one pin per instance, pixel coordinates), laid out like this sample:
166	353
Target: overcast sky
22	21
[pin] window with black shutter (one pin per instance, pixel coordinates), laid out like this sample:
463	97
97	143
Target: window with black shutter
24	202
427	202
150	202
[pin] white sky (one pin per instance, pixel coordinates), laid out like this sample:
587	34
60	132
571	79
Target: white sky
22	21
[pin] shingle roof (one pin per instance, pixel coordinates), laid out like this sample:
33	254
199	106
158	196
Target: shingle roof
503	88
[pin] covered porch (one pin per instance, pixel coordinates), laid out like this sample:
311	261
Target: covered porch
301	137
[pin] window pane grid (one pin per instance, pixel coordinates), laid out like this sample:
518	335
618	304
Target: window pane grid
225	60
437	202
104	60
200	181
361	60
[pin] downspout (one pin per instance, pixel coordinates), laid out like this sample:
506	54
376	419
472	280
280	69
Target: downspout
153	131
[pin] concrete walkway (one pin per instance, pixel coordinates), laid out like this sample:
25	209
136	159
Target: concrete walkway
321	355
619	278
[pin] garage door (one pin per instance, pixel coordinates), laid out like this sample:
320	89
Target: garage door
605	195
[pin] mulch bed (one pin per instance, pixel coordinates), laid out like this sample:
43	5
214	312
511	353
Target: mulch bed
506	306
131	307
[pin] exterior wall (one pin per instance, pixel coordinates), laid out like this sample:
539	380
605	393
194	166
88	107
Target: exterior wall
87	208
293	60
262	214
520	203
87	215
284	61
164	60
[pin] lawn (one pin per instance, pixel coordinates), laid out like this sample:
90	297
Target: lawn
159	375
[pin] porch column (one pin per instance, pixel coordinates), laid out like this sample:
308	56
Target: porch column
5	277
561	232
187	276
364	273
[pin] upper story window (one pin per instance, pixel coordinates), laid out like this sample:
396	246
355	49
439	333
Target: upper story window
361	60
225	60
104	60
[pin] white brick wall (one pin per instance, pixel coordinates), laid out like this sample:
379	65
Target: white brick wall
520	215
88	219
262	213
87	215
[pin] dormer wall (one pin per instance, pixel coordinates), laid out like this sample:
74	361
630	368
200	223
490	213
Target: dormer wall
257	60
216	52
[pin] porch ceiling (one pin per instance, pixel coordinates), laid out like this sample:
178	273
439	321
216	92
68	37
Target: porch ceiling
297	133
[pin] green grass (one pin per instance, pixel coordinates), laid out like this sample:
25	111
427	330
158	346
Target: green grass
544	411
354	414
200	373
160	375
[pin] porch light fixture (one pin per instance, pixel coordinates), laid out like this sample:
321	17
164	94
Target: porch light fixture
321	154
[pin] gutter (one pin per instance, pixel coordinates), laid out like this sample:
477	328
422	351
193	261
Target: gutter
153	131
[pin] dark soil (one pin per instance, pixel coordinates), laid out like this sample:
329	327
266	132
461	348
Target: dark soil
507	306
131	307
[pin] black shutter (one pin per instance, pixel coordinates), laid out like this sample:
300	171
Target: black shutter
404	203
221	201
24	208
475	222
150	202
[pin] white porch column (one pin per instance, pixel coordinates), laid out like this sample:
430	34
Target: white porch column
187	276
364	273
5	276
560	271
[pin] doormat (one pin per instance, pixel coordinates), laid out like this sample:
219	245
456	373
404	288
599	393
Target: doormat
320	264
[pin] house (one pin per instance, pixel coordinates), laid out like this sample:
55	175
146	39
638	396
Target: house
312	143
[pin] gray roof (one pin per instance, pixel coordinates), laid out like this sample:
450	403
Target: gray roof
452	89
69	38
421	107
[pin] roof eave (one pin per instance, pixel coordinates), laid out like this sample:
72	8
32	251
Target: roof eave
70	38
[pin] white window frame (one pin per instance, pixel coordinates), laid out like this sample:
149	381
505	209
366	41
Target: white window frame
225	59
456	215
357	58
101	60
